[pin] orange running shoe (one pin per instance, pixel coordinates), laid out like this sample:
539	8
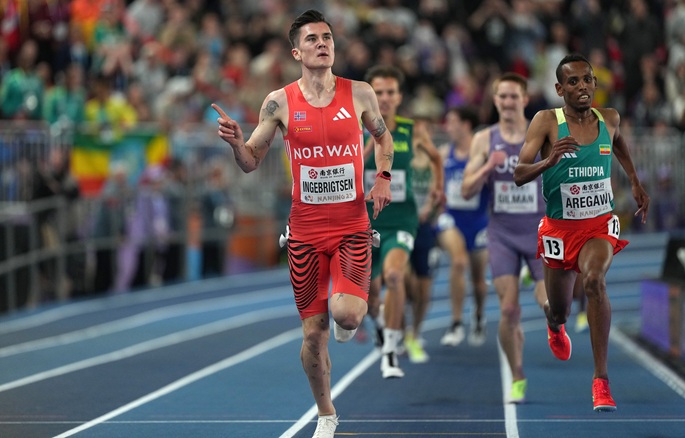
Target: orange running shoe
601	396
560	343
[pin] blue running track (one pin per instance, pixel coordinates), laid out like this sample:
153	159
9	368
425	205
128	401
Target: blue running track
220	358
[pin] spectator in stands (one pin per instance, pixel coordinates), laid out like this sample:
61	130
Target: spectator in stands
112	45
236	64
48	23
211	38
144	19
22	89
650	107
218	218
136	98
108	113
178	37
65	102
177	191
147	225
641	35
56	225
109	223
150	72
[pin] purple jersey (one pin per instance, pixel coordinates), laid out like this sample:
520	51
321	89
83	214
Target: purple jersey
515	213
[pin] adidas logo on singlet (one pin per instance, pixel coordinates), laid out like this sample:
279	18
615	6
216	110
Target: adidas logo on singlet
570	155
342	114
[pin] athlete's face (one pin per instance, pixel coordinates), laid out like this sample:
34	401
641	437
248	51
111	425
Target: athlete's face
315	48
510	100
578	84
454	126
388	95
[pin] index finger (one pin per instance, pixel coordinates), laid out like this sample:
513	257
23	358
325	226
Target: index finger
221	112
376	208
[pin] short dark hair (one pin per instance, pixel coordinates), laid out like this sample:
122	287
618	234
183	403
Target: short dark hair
511	77
467	114
308	16
573	57
384	71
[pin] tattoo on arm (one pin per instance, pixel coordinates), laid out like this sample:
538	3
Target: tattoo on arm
380	127
271	107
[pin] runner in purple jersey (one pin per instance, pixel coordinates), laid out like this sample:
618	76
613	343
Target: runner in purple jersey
514	213
514	216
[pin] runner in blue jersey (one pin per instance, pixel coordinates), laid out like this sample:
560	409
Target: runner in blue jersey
462	230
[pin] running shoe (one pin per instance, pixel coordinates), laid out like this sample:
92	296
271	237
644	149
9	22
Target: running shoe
414	349
390	366
325	426
518	391
601	396
526	279
581	322
478	332
341	334
559	342
454	335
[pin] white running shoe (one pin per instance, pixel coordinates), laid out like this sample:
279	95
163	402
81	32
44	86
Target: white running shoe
341	334
390	367
454	336
478	332
325	427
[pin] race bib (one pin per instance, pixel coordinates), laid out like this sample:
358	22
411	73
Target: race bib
586	200
327	185
554	247
406	239
509	198
614	226
455	200
398	185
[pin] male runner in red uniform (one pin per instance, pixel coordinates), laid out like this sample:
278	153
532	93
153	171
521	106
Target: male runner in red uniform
329	234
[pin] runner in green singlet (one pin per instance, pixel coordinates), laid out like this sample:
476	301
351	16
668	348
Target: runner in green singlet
398	225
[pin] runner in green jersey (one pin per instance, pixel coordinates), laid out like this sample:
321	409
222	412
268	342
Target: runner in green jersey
579	233
399	223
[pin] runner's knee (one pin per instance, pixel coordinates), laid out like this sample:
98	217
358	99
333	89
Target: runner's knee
594	284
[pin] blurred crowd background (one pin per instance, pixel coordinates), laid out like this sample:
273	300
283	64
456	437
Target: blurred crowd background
113	178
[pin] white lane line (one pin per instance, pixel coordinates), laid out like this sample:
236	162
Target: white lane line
367	421
155	344
147	317
28	320
248	354
338	389
651	364
510	415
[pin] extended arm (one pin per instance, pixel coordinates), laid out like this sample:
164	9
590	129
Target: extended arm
249	154
622	154
423	140
384	148
480	164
